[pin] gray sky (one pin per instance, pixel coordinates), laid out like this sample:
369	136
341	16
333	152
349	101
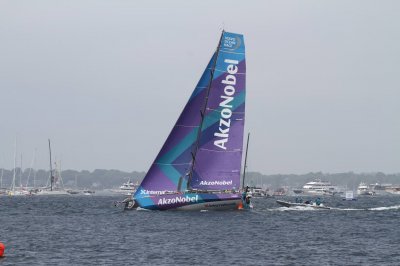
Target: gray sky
106	80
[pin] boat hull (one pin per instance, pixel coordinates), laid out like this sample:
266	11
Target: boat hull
52	193
191	202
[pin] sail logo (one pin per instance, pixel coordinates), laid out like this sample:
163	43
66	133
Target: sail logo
151	192
231	43
186	199
216	183
226	106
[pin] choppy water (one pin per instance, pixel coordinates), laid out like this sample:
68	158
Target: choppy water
90	230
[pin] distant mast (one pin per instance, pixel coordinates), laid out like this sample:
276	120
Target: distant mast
245	160
15	162
31	169
1	177
20	174
51	170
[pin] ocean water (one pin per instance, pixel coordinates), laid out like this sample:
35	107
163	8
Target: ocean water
89	230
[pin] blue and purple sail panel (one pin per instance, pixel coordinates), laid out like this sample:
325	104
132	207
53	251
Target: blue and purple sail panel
171	166
218	159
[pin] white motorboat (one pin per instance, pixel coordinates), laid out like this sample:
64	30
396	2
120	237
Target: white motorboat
257	192
364	190
127	188
319	187
51	191
19	192
393	190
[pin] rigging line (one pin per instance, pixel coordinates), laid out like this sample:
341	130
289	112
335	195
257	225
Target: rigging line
245	160
51	170
203	112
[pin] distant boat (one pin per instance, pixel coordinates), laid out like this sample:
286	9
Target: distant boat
127	188
198	167
46	191
393	190
364	190
14	190
72	192
3	190
55	179
298	191
349	195
317	187
88	192
280	191
257	192
19	192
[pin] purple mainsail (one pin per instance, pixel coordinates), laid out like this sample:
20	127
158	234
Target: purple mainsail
219	155
204	147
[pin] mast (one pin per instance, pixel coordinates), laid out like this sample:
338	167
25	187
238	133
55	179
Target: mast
51	170
245	159
31	169
59	175
1	177
34	179
202	112
15	162
20	174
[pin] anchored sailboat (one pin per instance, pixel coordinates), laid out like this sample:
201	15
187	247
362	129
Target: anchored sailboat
199	165
55	180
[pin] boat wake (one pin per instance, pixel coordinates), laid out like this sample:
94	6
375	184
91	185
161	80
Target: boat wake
302	208
396	207
296	208
141	209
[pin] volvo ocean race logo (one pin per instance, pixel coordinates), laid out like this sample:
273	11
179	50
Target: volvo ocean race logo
179	199
216	183
227	98
231	43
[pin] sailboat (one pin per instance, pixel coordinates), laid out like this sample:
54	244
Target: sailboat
55	179
2	190
198	167
14	191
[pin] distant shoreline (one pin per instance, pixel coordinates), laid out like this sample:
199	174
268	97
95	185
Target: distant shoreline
105	179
